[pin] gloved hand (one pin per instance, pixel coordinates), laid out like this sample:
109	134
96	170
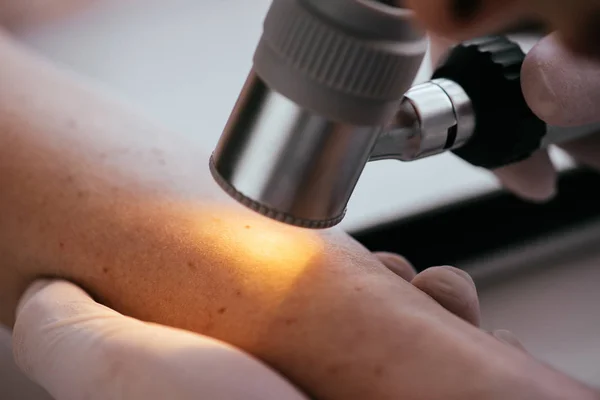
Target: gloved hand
76	348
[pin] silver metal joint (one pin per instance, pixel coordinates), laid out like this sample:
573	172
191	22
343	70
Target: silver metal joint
434	117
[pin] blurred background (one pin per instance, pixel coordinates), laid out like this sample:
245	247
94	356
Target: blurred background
183	62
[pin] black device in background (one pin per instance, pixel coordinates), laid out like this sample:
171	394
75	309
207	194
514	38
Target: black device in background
489	224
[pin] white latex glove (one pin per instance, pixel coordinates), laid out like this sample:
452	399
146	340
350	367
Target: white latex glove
563	89
78	349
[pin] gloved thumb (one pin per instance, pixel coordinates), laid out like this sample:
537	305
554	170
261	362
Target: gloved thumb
78	349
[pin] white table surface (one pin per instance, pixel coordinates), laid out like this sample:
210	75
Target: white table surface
183	62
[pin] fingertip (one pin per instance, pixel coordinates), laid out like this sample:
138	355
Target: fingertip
43	294
537	73
397	264
47	313
561	87
453	289
462	274
31	311
533	179
33	290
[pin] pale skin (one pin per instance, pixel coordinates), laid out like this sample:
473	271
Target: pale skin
96	195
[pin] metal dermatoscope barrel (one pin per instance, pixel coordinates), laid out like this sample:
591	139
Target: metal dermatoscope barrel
329	92
327	76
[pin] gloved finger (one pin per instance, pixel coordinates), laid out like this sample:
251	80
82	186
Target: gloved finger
585	150
533	179
77	349
561	87
453	289
466	19
398	265
509	338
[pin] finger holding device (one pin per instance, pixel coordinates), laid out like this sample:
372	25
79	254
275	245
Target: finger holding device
330	91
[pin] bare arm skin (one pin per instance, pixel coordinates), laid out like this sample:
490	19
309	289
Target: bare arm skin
94	194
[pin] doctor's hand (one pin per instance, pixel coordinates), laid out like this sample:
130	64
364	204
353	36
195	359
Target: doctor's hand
563	89
78	349
560	77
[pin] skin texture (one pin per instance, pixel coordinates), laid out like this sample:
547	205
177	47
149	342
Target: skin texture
95	195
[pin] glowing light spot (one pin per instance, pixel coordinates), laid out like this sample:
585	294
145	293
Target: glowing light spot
264	261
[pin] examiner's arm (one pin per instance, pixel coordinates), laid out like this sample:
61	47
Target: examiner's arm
94	194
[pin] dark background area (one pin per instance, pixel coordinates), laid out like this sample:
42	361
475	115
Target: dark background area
486	224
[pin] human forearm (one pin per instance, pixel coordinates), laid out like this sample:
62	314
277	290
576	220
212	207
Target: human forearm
95	195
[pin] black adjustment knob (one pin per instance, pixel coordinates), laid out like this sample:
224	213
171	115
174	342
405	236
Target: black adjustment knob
489	71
